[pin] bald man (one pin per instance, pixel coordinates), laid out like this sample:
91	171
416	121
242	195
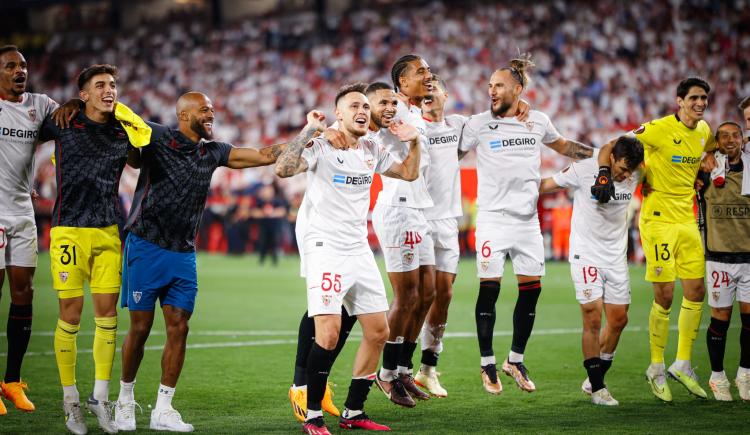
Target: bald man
159	254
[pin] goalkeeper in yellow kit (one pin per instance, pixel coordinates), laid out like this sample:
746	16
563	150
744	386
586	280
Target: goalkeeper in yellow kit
674	146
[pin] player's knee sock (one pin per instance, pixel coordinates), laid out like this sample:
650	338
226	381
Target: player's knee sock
593	367
358	391
66	351
524	314
347	323
688	323
105	337
716	339
606	359
391	352
305	340
658	331
19	333
405	357
318	366
745	341
484	314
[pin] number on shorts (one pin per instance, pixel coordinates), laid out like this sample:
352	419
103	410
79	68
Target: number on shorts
412	238
329	283
590	274
665	254
721	279
67	257
2	237
486	250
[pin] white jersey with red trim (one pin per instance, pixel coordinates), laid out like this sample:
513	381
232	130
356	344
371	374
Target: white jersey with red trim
508	160
444	173
19	129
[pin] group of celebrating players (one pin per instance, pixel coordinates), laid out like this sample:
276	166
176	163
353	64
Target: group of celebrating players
399	130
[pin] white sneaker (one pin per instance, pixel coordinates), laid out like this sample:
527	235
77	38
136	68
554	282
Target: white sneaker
74	420
586	386
743	385
602	397
429	380
169	419
720	387
125	415
103	412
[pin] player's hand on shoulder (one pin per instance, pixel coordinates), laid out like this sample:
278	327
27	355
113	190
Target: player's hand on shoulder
316	120
65	113
524	109
336	138
403	131
708	162
646	188
603	188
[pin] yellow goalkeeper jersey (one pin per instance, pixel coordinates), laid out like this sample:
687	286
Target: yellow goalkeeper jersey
672	159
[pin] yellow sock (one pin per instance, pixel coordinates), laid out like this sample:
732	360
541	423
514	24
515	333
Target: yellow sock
105	336
65	351
688	323
658	332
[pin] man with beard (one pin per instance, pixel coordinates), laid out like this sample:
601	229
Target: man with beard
340	267
159	254
508	174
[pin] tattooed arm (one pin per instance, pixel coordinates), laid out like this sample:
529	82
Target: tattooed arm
290	162
574	150
250	157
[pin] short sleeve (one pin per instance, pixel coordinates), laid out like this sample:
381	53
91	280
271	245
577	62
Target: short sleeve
550	132
49	130
222	153
50	106
469	138
312	152
568	177
710	145
385	160
456	121
648	134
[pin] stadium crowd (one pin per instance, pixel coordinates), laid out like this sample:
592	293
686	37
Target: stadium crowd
601	68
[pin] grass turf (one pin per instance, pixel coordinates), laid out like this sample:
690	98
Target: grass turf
242	345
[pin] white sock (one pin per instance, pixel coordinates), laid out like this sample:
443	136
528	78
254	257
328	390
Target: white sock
388	375
658	366
743	371
682	365
164	398
313	414
515	357
127	394
427	369
607	356
351	413
70	394
718	375
101	390
299	387
487	360
403	370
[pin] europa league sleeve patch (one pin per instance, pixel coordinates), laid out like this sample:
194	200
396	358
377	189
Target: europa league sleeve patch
640	129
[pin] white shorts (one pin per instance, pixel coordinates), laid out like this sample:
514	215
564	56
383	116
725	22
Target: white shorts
444	233
353	281
499	235
403	233
724	281
611	284
18	244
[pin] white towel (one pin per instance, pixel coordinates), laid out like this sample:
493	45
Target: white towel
718	174
745	156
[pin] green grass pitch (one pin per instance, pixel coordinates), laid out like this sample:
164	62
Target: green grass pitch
241	356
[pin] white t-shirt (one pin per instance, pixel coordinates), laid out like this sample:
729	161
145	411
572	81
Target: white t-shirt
598	235
19	129
508	160
444	174
337	198
402	193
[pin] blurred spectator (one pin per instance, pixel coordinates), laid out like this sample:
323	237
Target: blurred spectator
270	212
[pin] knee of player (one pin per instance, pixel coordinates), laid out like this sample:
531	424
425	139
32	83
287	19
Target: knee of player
328	339
22	293
378	335
178	329
724	313
618	321
592	325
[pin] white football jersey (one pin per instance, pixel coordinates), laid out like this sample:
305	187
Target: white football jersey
508	160
444	174
599	232
338	194
19	129
402	193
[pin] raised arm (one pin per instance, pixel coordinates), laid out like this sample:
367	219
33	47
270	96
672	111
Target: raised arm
408	170
290	161
574	150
